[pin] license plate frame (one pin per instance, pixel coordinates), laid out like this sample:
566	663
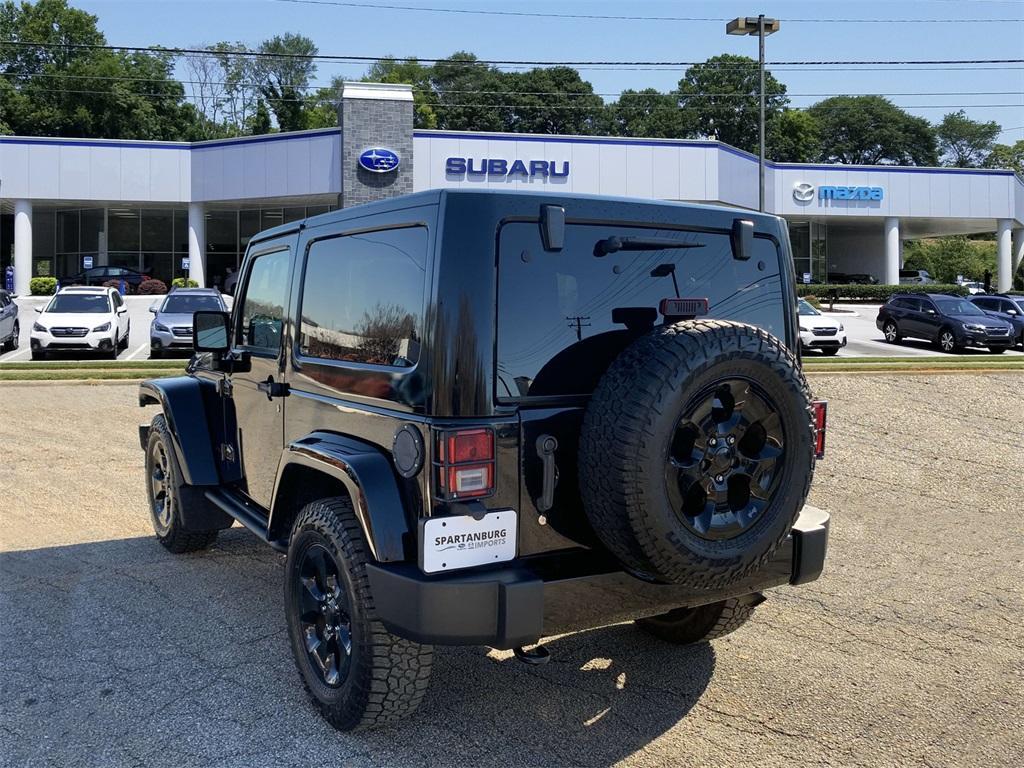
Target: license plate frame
456	542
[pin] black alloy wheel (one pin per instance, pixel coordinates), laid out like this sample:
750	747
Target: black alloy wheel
161	486
725	459
323	616
891	332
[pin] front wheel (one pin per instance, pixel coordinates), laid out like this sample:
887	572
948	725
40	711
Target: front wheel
997	350
167	493
38	354
686	626
829	351
891	332
12	343
358	674
947	341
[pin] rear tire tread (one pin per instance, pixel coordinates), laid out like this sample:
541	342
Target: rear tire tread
399	670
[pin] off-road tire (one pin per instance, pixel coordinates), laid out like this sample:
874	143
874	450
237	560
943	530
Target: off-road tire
687	626
172	532
626	434
388	675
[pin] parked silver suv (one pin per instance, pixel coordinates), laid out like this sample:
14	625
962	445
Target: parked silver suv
171	328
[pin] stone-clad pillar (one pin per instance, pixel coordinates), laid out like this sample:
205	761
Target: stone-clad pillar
375	116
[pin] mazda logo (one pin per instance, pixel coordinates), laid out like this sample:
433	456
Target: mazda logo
803	192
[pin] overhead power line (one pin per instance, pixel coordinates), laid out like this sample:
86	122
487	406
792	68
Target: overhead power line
539	62
611	17
483	105
568	94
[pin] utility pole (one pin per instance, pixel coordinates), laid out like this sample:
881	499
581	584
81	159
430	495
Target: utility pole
577	323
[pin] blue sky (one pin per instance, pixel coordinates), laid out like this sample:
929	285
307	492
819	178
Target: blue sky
365	31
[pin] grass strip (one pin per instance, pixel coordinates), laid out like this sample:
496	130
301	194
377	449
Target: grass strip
99	365
78	375
839	360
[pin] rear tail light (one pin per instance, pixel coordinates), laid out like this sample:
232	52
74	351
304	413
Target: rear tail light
820	418
465	463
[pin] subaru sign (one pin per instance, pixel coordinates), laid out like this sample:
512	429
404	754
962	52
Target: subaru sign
379	160
498	167
804	193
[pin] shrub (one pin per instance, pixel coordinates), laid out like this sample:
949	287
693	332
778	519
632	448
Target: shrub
183	282
152	287
42	286
877	293
813	300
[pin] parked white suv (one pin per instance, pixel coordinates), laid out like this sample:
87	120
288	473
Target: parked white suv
820	332
84	319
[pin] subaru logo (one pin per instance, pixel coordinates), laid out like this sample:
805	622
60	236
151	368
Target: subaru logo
379	160
803	192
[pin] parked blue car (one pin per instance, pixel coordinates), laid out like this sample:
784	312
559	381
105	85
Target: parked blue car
1007	308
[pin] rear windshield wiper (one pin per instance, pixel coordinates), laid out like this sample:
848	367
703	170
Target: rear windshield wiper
615	244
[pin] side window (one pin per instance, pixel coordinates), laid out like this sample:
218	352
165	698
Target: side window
988	304
1006	306
266	291
362	297
925	305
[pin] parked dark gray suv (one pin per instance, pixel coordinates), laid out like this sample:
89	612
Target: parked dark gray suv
1009	309
950	322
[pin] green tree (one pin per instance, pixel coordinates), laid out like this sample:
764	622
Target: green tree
946	258
85	92
721	97
965	143
470	96
1007	156
648	113
284	73
259	121
872	130
411	72
794	136
553	100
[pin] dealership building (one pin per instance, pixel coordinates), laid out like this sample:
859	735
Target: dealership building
174	209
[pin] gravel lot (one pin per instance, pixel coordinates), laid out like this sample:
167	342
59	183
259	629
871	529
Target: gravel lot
909	650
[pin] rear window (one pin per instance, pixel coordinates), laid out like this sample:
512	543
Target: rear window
564	316
362	297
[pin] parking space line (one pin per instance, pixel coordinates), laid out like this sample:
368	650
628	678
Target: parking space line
142	347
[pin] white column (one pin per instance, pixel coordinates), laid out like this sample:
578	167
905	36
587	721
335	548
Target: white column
197	243
1004	270
892	251
1017	250
22	246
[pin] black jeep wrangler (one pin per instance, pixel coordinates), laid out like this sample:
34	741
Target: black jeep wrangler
472	418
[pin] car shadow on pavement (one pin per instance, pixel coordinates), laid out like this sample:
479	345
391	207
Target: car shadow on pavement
119	653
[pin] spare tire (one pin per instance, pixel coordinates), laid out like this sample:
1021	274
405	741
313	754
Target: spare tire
697	452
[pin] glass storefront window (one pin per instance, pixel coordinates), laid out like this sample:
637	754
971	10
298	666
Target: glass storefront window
271	217
124	229
67	231
157	230
248	225
93	238
181	231
294	214
222	232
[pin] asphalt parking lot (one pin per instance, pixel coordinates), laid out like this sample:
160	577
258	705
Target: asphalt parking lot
908	652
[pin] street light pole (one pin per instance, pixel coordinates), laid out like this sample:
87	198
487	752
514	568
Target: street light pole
762	27
760	139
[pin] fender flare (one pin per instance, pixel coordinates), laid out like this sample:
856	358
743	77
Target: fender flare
369	479
181	399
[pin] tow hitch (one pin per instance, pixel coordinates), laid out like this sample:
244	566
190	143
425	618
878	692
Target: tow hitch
535	656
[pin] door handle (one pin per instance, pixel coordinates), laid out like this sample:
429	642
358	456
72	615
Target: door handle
273	388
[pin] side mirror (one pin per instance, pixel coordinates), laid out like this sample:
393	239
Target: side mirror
39	310
152	308
742	239
121	310
210	331
930	311
1012	312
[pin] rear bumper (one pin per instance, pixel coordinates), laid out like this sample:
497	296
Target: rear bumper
516	605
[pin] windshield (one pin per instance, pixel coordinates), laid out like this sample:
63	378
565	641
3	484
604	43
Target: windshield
79	303
176	304
807	309
957	307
